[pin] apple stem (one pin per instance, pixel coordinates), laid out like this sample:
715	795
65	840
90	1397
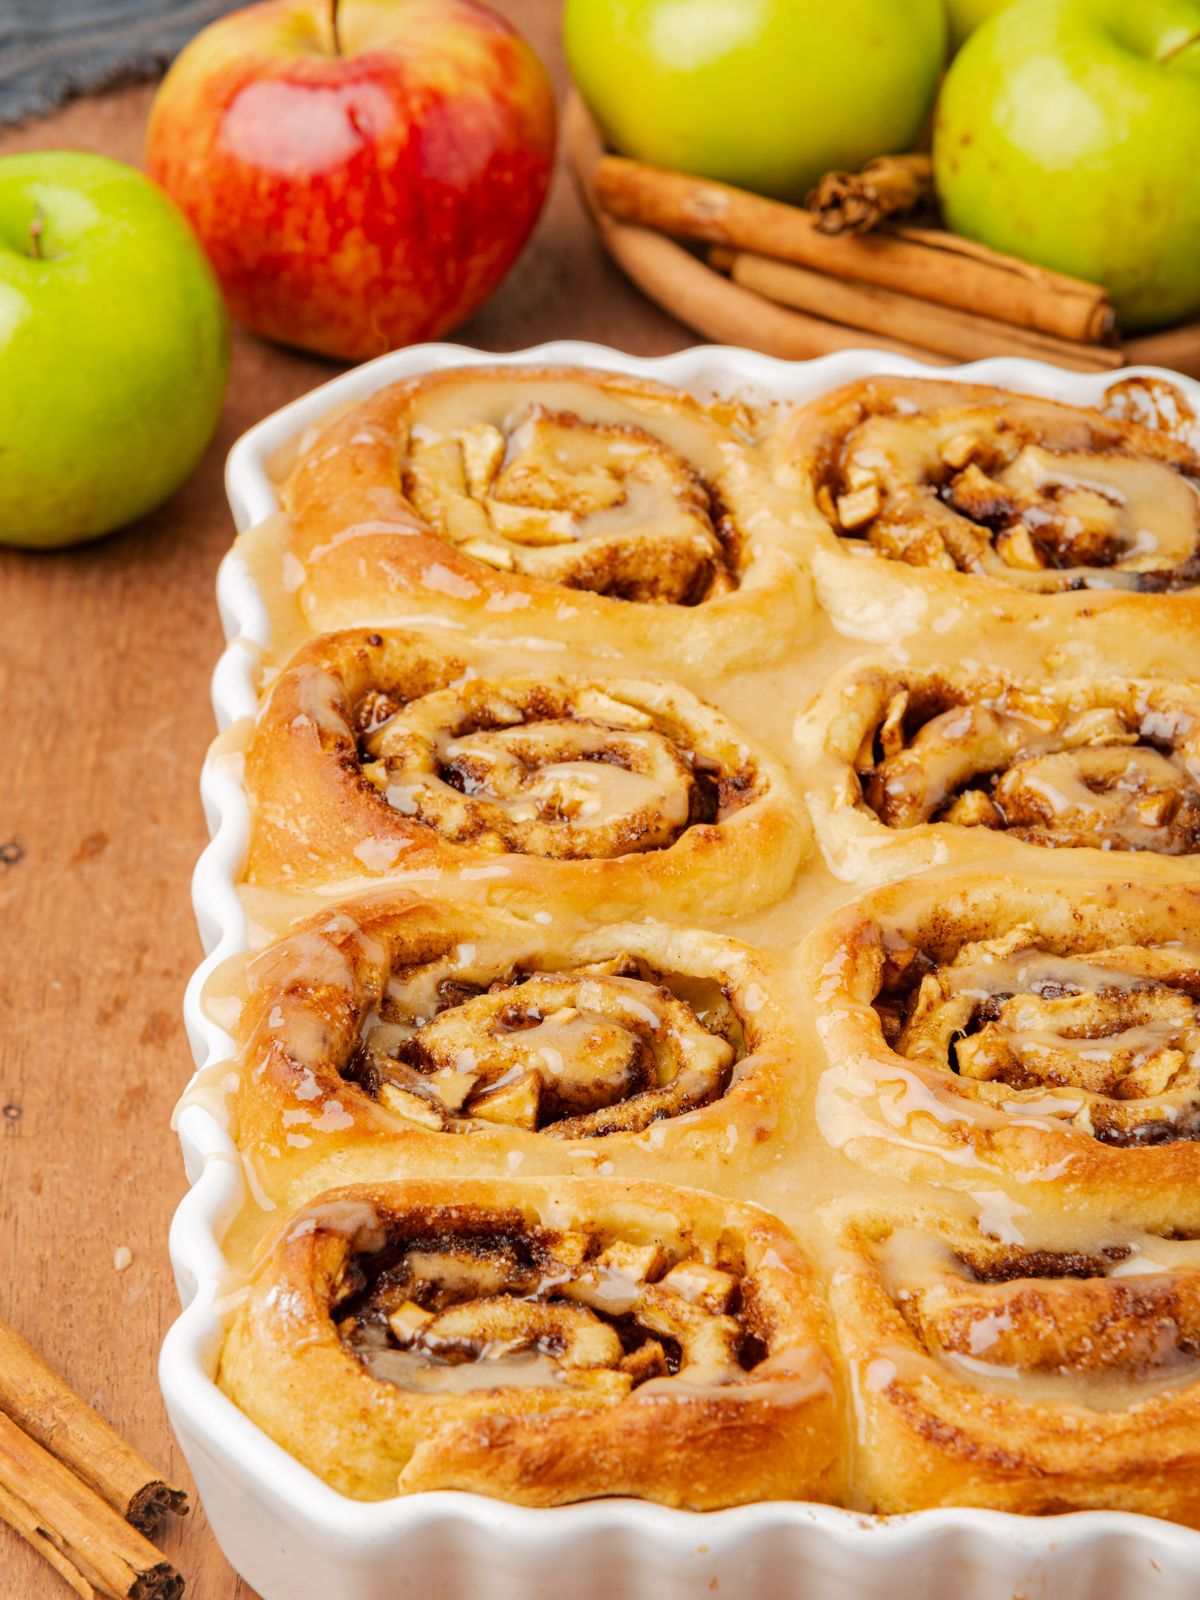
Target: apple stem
36	229
1178	49
333	20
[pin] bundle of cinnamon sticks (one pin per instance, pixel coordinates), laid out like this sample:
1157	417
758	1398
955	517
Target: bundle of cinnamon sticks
71	1486
846	269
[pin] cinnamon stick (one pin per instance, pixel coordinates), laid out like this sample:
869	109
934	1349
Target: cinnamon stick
944	329
22	1521
42	1496
1176	348
38	1400
692	291
856	202
928	264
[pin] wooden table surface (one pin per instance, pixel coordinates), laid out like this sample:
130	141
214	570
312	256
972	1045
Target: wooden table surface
105	655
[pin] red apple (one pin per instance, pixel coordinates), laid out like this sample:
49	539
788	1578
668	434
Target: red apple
361	174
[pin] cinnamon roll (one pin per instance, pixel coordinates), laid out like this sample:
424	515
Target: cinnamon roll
950	505
396	1031
1021	1378
541	1342
1039	1035
386	755
544	501
907	769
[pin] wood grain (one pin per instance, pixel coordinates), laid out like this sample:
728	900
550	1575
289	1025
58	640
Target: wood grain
105	655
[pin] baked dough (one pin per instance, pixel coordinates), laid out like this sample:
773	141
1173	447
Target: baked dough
1035	1033
974	512
1018	1377
541	1342
387	754
547	501
396	1032
542	1069
910	768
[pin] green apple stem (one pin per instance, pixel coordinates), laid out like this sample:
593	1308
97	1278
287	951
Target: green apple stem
37	228
333	22
1178	49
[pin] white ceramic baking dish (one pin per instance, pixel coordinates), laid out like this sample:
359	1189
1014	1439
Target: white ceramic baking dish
291	1536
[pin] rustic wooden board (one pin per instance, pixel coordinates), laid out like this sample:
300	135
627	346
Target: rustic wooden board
104	661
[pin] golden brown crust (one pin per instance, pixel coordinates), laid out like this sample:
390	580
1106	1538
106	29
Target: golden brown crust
543	1342
1020	1032
394	1030
547	501
386	754
909	768
1021	1379
960	507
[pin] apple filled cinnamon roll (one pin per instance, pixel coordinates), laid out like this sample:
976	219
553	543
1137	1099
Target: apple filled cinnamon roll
951	505
392	755
987	1372
541	1342
399	1034
907	769
554	502
1039	1035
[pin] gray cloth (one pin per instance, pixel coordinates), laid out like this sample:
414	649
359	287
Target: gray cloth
52	50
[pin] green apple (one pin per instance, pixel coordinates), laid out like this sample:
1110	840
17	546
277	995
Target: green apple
1068	132
766	94
114	347
966	15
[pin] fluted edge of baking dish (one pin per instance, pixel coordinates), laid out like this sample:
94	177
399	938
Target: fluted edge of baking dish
287	1531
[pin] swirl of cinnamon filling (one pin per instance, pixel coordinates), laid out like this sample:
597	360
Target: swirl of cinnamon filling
1028	1378
1035	494
1048	1035
544	1307
605	506
390	754
1120	1025
548	767
605	1048
1118	1311
544	1341
400	1020
548	502
1113	765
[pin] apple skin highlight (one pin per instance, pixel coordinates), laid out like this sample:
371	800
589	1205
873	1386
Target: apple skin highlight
358	193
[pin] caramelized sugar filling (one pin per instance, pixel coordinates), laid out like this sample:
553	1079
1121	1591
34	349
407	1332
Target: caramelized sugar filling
1020	760
1025	1026
602	506
545	767
494	1302
606	1048
1035	499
